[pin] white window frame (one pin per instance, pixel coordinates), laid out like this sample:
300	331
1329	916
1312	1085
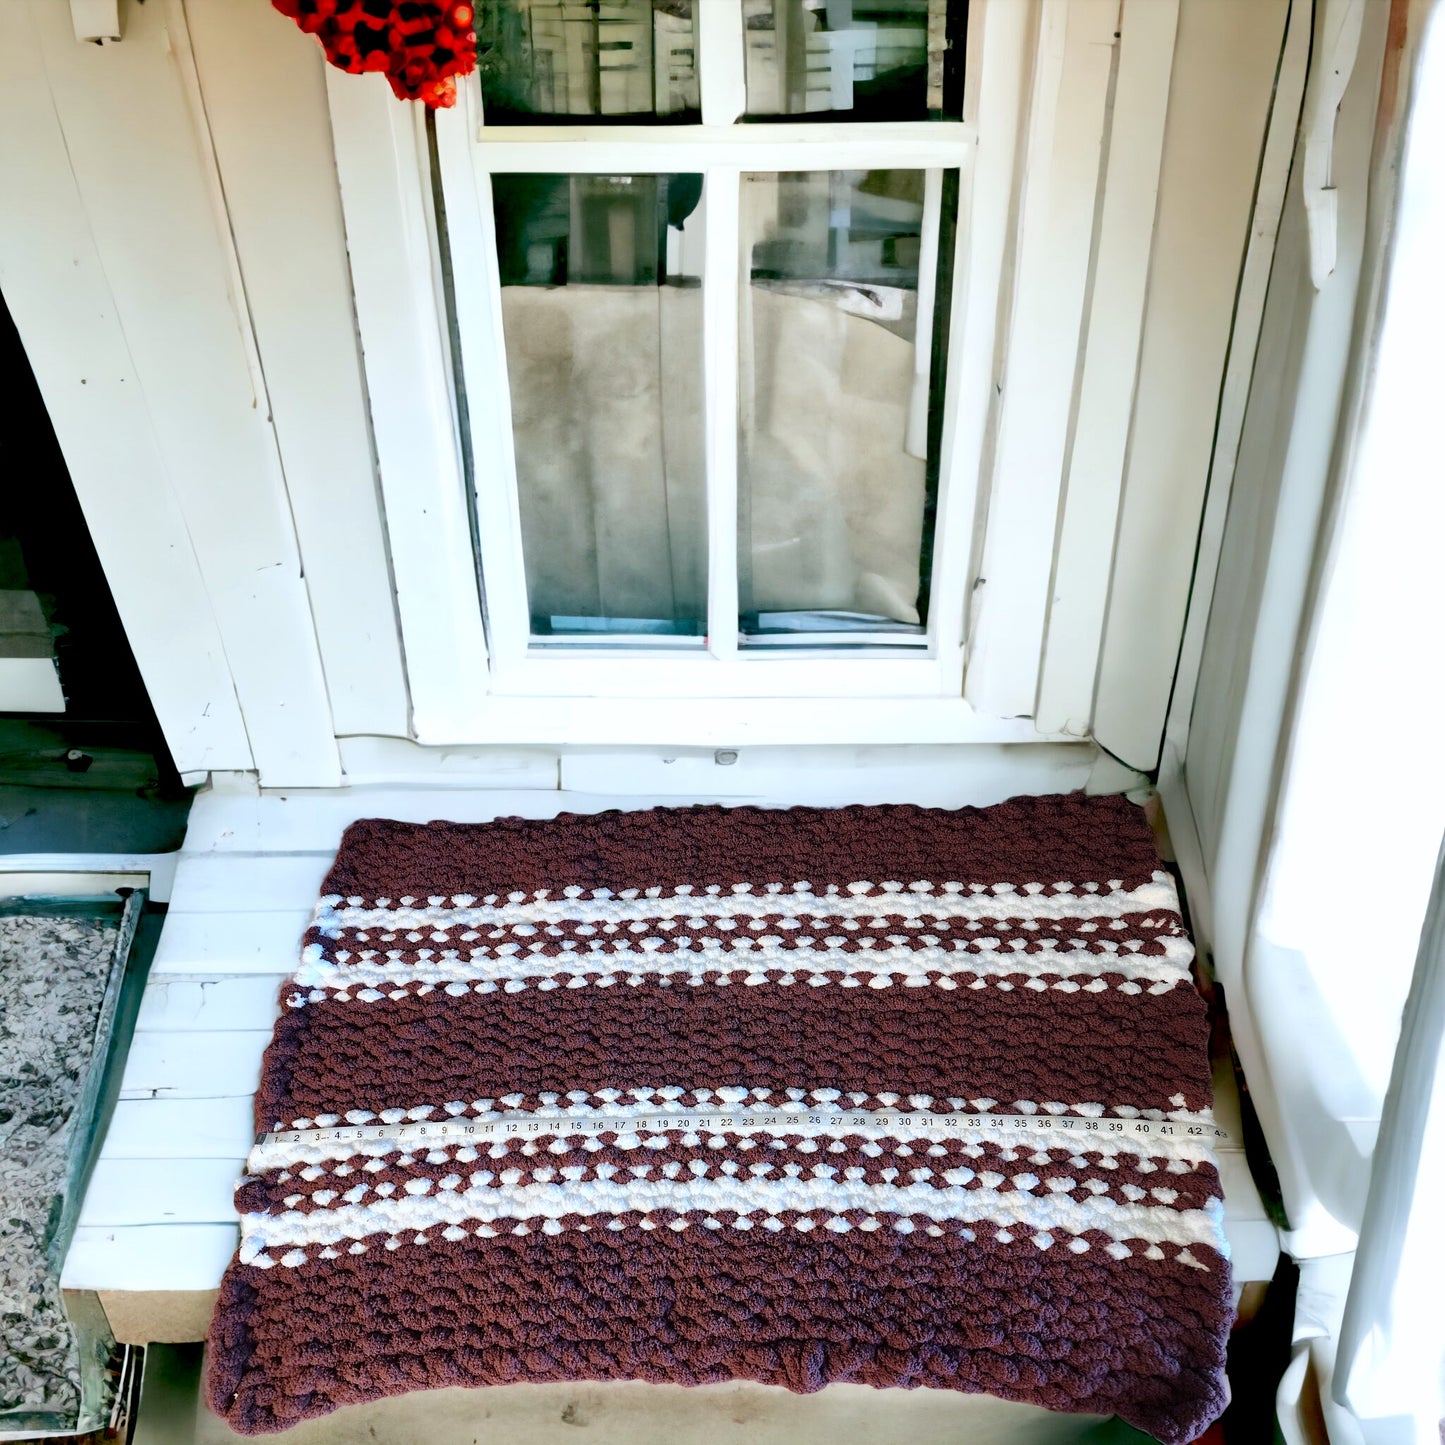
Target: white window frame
722	151
513	691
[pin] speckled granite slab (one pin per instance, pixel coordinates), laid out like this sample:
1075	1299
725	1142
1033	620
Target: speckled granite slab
55	973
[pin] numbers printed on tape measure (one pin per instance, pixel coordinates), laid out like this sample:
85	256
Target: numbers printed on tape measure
503	1126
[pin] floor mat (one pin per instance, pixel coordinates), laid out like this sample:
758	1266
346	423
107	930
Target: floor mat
846	1005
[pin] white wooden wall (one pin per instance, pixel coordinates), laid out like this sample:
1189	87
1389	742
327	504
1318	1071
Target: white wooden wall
1111	385
54	274
183	286
1279	808
265	105
137	201
1306	835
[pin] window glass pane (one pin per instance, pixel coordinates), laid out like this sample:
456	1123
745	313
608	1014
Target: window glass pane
840	379
853	59
565	60
602	316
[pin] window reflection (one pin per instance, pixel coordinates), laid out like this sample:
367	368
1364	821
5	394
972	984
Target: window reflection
853	60
839	389
542	60
602	315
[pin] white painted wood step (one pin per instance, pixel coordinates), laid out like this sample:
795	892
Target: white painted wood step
137	1193
149	1257
178	1003
231	942
163	1129
249	883
158	1214
212	1065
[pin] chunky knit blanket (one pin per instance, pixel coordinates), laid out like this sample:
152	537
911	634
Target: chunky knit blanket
807	969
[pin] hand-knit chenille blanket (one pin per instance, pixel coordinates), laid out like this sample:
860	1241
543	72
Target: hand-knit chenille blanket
811	966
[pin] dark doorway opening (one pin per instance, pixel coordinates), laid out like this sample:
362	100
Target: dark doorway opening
83	767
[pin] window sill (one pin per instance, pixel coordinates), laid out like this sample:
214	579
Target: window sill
726	722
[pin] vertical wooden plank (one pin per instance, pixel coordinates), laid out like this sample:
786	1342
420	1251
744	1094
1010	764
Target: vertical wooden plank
995	91
720	61
1061	177
385	188
1244	347
1194	805
61	301
265	105
723	265
155	210
1083	562
1226	59
1228	756
471	222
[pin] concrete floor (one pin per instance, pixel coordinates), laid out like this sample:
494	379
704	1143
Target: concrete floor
107	800
732	1414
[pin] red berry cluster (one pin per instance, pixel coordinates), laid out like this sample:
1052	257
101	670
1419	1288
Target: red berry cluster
420	45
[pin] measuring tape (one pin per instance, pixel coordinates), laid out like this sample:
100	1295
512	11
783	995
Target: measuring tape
1046	1128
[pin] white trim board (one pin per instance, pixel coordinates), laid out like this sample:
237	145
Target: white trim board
1239	370
1060	188
153	871
385	194
1221	91
726	722
1094	476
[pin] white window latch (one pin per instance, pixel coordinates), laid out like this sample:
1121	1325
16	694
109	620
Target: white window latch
97	21
1340	22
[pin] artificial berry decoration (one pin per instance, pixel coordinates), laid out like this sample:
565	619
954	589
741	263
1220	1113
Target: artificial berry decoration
420	45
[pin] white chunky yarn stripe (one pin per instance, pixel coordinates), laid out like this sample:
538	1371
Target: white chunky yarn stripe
377	976
485	1203
860	900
